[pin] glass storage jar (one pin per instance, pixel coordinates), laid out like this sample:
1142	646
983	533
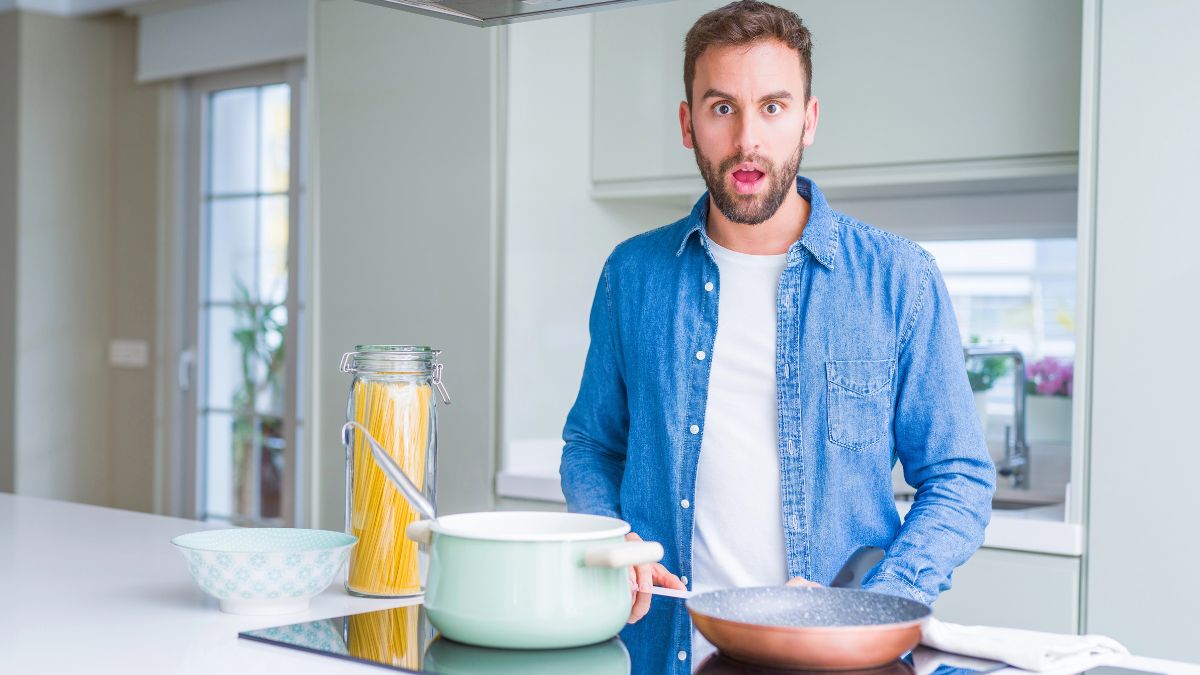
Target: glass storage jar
391	401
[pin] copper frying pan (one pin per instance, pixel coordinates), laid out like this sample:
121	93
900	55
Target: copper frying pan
837	628
722	665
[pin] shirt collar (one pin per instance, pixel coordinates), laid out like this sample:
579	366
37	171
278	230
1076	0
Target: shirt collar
820	236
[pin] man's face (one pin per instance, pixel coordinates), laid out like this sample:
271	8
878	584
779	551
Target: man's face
748	125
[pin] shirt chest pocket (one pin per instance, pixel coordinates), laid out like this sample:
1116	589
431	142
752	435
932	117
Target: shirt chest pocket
860	401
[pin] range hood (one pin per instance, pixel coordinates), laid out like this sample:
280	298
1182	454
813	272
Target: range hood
498	12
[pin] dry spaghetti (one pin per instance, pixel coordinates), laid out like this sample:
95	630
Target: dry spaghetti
397	414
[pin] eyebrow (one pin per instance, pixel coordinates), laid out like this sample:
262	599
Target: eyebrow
715	93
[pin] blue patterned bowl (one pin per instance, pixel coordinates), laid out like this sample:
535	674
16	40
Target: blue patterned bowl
270	570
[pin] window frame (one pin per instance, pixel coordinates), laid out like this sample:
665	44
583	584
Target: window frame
198	90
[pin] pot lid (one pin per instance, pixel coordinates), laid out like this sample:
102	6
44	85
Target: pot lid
530	526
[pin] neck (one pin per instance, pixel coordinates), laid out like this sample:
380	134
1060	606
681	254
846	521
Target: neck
773	236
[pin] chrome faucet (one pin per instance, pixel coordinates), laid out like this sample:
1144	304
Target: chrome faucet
1016	451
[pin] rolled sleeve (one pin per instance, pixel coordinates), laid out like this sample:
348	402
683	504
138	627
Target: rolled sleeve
939	442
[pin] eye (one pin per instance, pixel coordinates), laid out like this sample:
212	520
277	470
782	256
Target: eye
723	109
773	108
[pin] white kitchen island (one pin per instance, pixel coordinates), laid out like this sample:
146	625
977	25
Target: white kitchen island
85	589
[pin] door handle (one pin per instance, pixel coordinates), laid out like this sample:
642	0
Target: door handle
187	359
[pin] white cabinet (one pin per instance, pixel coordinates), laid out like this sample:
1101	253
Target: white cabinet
1142	585
964	85
1014	589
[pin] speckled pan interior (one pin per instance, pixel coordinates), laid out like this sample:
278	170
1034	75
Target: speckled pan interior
791	607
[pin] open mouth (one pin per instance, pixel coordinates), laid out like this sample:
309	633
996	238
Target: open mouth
746	181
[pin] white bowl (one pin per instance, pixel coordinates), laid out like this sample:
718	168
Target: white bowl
270	570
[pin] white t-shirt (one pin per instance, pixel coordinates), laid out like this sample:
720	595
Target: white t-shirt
738	535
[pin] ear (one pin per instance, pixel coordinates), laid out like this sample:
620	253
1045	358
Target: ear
811	114
685	124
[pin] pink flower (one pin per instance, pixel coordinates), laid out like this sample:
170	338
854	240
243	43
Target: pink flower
1050	377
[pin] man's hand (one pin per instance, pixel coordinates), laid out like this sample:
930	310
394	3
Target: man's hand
642	577
803	583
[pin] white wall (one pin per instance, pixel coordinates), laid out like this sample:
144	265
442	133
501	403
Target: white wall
1145	456
62	307
408	202
132	248
83	244
556	236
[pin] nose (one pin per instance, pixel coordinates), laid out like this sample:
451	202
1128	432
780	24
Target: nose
747	134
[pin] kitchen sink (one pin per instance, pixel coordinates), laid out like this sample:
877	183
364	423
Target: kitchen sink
1013	504
1005	500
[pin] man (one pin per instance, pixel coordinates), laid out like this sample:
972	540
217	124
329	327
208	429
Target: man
757	368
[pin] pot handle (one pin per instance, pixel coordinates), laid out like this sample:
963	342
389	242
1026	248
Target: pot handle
420	531
625	554
855	570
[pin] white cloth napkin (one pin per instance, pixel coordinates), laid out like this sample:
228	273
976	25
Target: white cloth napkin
1025	649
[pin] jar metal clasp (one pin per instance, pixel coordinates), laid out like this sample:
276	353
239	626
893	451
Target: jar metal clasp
437	382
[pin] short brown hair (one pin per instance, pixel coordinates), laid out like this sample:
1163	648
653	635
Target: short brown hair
741	23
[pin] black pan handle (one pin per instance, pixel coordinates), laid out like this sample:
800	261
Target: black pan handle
860	562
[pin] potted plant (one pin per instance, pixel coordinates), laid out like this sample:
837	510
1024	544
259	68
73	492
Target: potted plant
1049	384
982	372
260	339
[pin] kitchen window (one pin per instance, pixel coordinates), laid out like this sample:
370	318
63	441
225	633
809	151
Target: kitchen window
1018	292
246	296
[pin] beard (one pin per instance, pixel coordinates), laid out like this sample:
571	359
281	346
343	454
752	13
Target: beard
749	209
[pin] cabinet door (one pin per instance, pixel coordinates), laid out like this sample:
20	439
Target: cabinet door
1144	457
899	83
1014	589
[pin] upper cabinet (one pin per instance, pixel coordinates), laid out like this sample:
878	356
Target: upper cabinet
909	92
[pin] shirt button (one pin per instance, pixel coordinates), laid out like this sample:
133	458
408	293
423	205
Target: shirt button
682	655
684	503
700	355
695	428
684	580
708	286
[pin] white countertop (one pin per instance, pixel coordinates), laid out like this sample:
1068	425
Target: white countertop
1041	529
87	589
90	589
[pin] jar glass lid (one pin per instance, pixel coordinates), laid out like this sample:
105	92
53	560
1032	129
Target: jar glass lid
396	349
396	360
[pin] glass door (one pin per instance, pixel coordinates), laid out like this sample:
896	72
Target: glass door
246	298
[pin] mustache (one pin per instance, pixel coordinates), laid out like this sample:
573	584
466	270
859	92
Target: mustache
729	162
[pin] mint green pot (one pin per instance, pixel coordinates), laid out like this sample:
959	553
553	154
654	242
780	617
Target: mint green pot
529	580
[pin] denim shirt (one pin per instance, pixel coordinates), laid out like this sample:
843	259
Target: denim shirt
869	370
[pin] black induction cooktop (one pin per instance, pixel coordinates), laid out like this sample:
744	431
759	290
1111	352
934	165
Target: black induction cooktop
402	639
